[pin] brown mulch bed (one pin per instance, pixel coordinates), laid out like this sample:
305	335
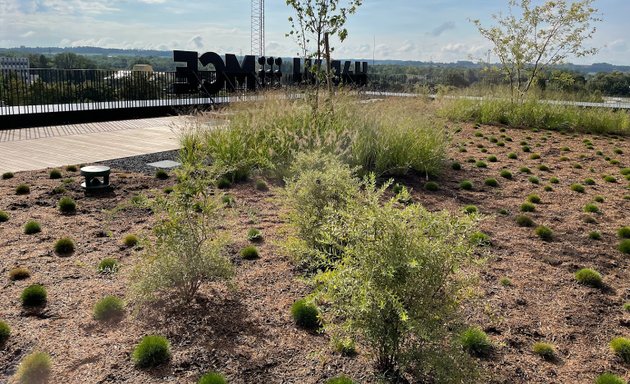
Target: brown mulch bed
247	332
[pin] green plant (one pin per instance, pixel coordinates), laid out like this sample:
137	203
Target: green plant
4	216
544	350
19	274
64	246
492	159
534	156
600	199
481	164
212	378
7	175
431	186
491	182
548	188
5	332
543	168
108	265
625	171
261	185
228	200
554	180
577	188
609	378
109	308
469	209
591	208
480	239
610	179
130	240
533	180
168	190
624	246
340	380
512	156
533	198
595	235
34	369
22	189
151	351
505	282
224	183
466	185
526	148
249	253
71	168
33	296
544	233
621	347
254	235
55	174
590	277
31	227
524	221
305	314
67	205
624	232
161	174
476	342
589	181
345	346
528	207
506	174
626	307
58	190
525	170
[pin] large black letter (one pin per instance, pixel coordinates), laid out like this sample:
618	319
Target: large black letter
236	72
213	87
187	78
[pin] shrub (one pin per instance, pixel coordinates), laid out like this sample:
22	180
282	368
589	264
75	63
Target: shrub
130	240
168	190
589	181
591	208
528	207
577	188
481	164
506	174
33	296
590	277
624	246
55	174
67	205
345	346
305	314
7	175
34	369
548	188
491	182
544	350
151	351
595	235
212	378
544	233
577	166
64	246
340	380
161	174
533	180
609	378
525	170
109	308
512	156
4	216
31	227
254	235
492	159
624	232
626	307
71	168
534	156
524	221
469	209
505	282
108	265
19	274
228	200
249	253
466	185
261	185
554	180
525	148
600	199
476	342
431	186
610	179
481	239
5	332
224	183
533	198
22	189
621	347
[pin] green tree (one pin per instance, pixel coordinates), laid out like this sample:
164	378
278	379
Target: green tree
530	39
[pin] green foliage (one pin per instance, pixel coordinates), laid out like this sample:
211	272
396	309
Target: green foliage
525	170
7	175
533	180
212	378
491	182
609	378
466	185
600	199
109	308
481	164
476	342
55	174
624	232
228	200
33	296
161	174
67	205
345	346
151	351
621	347
524	221
533	198
431	186
626	307
544	350
589	181
469	209
512	156
108	265
492	159
455	166
340	380
590	277
506	174
224	183
534	156
595	235
19	274
577	188
261	185
305	314
130	240
31	227
505	282
624	246
610	179
22	189
480	239
254	235
591	208
544	233
64	246
4	216
5	332
528	207
249	253
34	369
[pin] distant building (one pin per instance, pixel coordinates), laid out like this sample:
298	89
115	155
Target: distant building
17	65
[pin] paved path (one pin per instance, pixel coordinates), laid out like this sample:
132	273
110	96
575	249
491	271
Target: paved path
42	147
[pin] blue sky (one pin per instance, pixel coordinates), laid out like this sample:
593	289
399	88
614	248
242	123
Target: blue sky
436	30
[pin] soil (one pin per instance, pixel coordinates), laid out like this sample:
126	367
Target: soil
246	332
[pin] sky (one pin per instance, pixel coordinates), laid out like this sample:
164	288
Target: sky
425	30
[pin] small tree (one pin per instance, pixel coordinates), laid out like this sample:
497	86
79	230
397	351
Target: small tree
538	37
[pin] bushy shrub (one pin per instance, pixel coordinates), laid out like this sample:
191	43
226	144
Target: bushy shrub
481	164
161	174
544	350
64	246
345	346
621	347
431	186
471	209
589	181
544	233
543	168
5	332
595	235
476	342
4	216
22	189
109	308
261	185
610	179
505	282
305	314
212	378
67	205
587	276
624	246
130	240
492	159
108	265
34	369
524	221
19	274
455	166
71	168
525	170
624	232
548	188
577	188
228	200
55	174
491	182
223	183
528	207
151	351
534	198
506	174
466	185
31	227
626	307
533	180
340	380
600	199
534	156
33	296
609	378
249	253
254	235
591	208
512	156
7	175
554	180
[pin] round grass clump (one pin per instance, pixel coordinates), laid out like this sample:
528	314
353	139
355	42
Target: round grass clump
492	159
64	246
481	164
109	308
71	168
525	148
525	170
224	183
250	253
480	239
626	307
548	188
34	296
470	209
151	351
554	180
431	186
55	174
524	221
544	233
130	240
161	174
577	188
512	156
31	227
534	156
67	205
610	179
595	235
505	282
305	314
476	342
168	190
491	182
624	246
533	198
261	185
590	277
7	175
528	207
577	166
621	347
506	174
4	216
19	274
599	199
212	378
609	378
22	189
466	185
108	265
544	350
624	232
34	369
340	380
589	181
5	332
591	208
254	235
533	180
228	200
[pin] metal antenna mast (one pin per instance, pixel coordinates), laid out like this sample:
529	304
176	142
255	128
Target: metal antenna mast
258	27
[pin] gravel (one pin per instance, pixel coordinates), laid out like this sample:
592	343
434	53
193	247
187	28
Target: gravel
139	163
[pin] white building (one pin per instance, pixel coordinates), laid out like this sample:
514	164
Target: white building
19	65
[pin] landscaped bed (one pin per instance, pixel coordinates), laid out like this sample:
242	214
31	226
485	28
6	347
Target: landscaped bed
527	291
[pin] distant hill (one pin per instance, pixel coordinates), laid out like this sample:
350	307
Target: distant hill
592	68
